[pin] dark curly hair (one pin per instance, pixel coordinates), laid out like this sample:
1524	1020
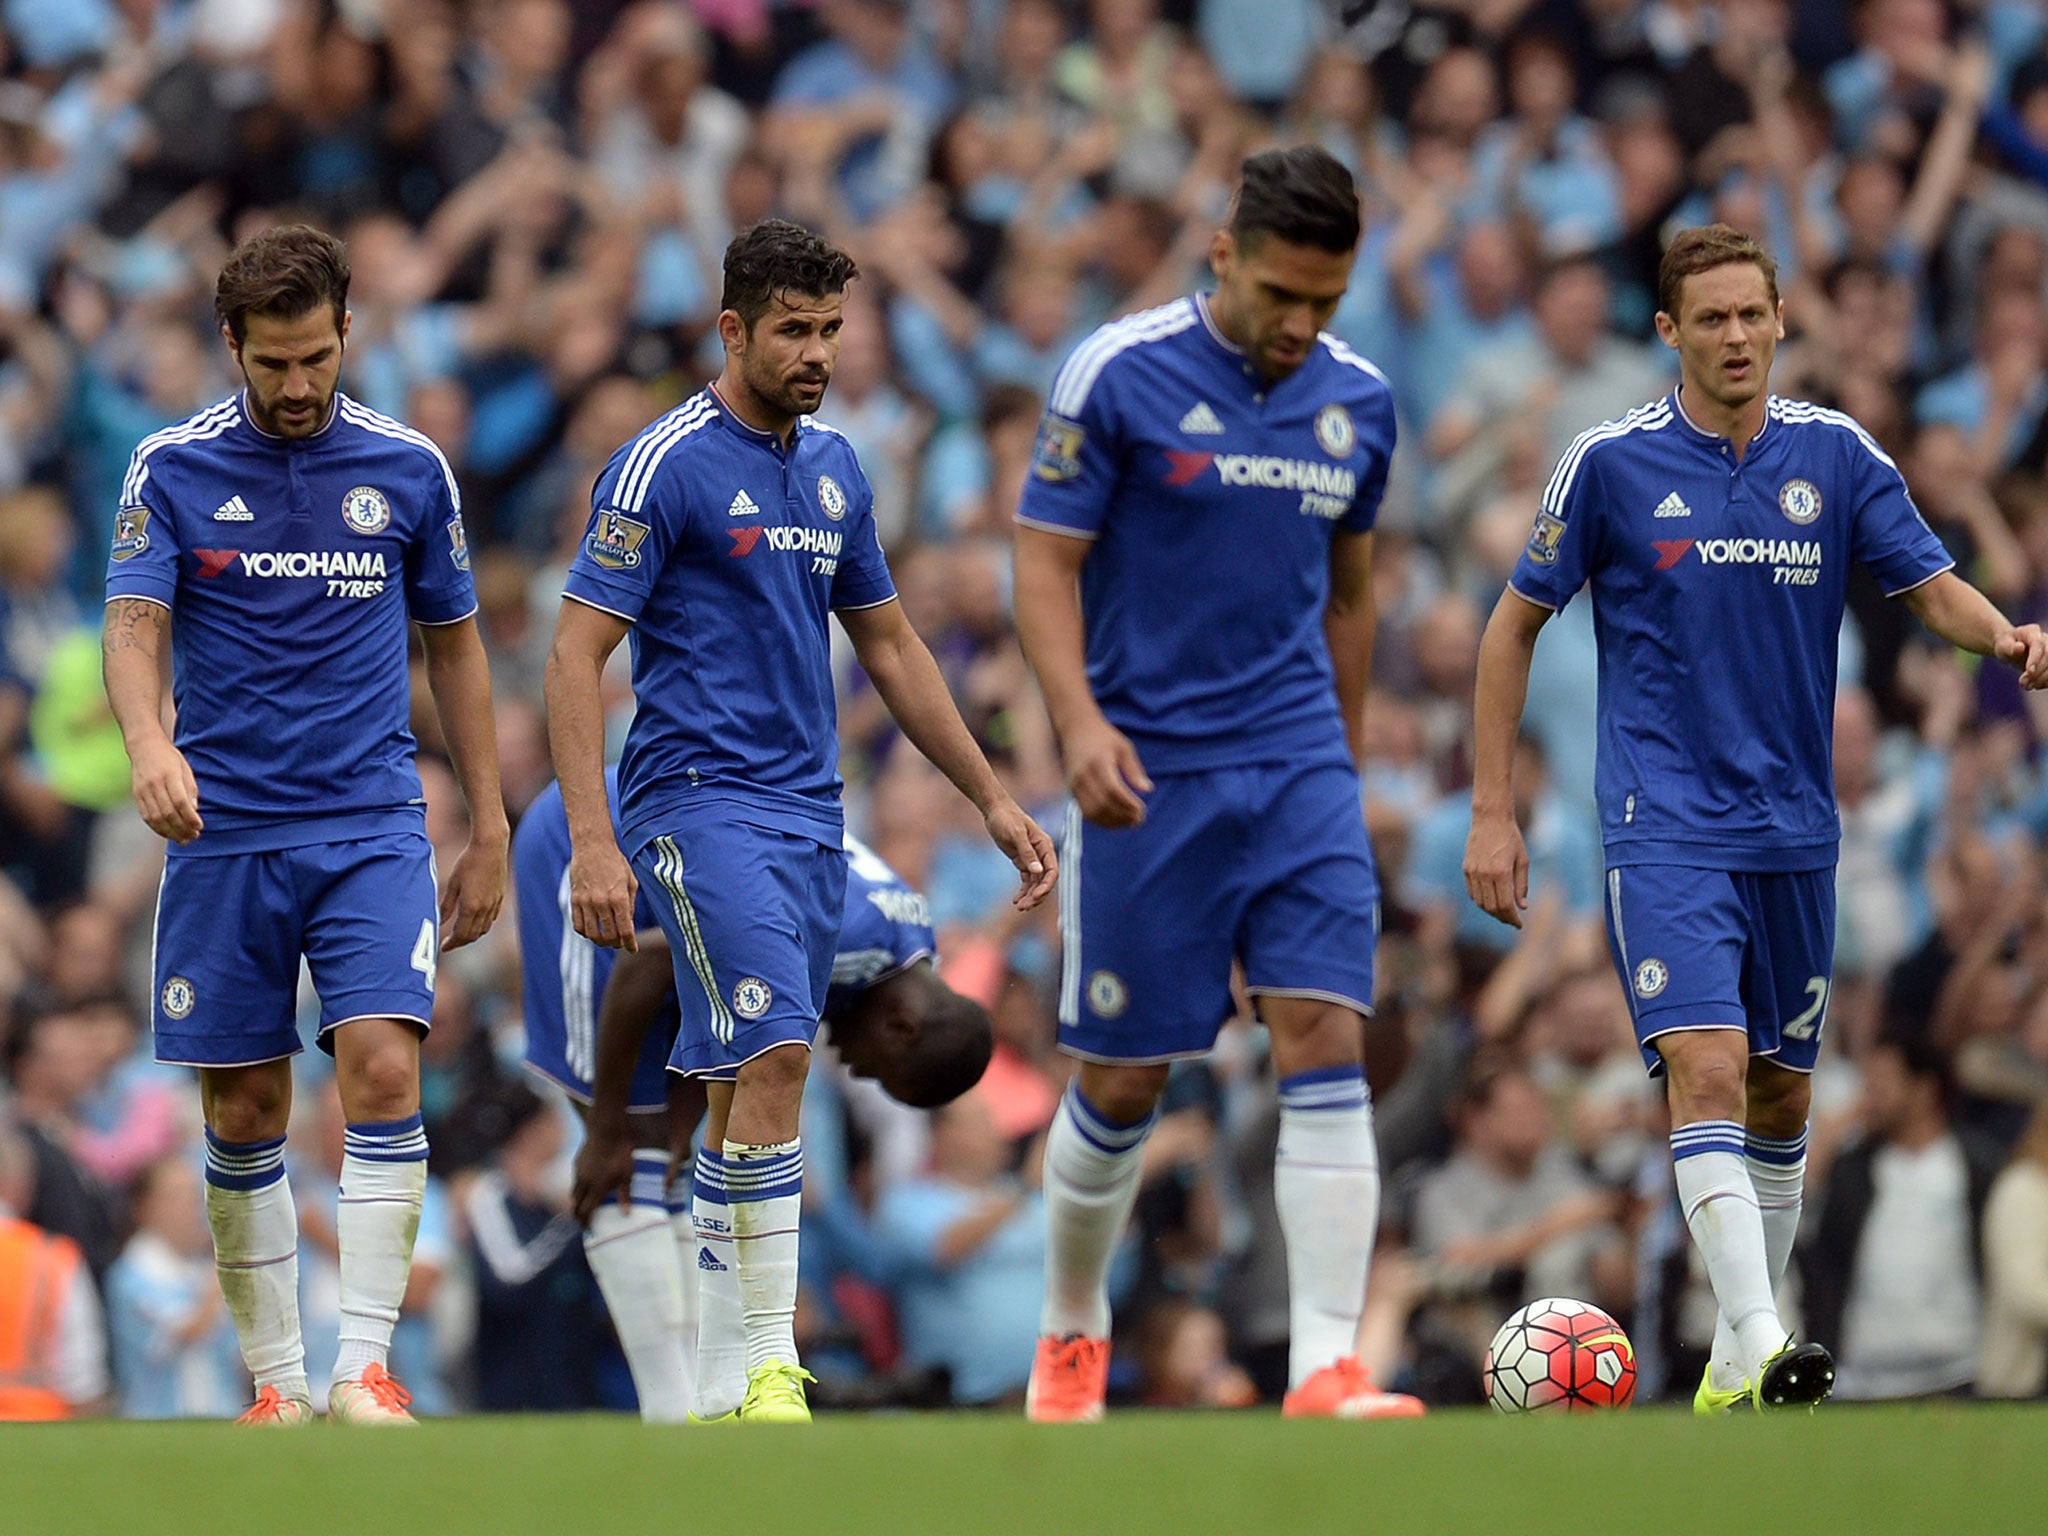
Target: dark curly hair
775	257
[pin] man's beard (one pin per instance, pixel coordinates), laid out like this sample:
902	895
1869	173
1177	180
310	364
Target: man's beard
780	392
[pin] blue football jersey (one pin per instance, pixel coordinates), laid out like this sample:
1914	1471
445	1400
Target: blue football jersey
887	928
1211	497
1718	590
292	567
726	553
565	974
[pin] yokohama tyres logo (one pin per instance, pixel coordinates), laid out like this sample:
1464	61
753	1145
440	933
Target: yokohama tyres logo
1670	551
213	561
743	541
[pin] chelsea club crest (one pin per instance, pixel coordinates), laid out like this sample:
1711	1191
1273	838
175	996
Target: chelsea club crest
1336	433
1799	500
366	510
831	499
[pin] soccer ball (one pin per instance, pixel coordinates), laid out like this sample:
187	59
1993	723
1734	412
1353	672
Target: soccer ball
1560	1356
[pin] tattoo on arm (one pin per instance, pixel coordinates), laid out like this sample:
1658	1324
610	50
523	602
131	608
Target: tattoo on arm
133	625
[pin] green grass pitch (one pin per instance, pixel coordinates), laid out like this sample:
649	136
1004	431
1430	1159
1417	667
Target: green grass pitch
1975	1471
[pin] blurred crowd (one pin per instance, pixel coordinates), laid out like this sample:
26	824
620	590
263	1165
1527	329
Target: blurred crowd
537	194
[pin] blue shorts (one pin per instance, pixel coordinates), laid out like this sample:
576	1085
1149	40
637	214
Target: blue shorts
1267	864
1715	949
230	930
752	915
561	1041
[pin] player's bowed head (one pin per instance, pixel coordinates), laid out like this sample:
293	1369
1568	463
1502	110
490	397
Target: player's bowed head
1283	261
282	302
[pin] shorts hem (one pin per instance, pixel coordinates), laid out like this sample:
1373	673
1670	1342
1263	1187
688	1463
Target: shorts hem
297	1047
1193	1053
583	1096
1314	994
326	1029
728	1071
1772	1056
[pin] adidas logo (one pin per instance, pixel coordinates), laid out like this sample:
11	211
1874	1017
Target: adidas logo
1672	506
742	506
1201	421
234	510
706	1259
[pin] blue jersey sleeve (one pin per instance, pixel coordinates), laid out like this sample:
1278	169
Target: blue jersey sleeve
143	559
1377	429
626	545
1564	547
1890	536
1074	467
862	580
438	586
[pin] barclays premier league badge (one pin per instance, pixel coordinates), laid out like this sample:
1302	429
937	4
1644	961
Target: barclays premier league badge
366	510
131	532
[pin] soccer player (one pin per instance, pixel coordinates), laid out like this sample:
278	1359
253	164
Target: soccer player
1716	526
722	536
601	1026
1194	558
293	532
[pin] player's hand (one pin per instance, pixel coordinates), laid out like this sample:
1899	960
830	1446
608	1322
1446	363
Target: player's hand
474	894
601	892
1105	775
604	1167
2026	648
1497	868
1026	845
165	792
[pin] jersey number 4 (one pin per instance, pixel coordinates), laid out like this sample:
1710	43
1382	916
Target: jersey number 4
426	951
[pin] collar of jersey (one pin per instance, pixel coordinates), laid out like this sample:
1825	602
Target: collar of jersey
731	418
1714	440
1215	331
326	426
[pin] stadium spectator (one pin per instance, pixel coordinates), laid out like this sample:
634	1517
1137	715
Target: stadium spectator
2014	1358
174	1350
53	1350
968	1239
1893	1268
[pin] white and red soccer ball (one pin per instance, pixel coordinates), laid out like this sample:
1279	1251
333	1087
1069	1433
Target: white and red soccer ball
1560	1356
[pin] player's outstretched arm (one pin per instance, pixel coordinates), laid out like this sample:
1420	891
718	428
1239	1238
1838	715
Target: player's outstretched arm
1496	861
1965	617
459	676
633	995
1103	769
131	663
601	883
910	683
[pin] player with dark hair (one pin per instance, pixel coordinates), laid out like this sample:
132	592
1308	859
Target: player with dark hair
601	1026
1716	527
723	536
1194	563
294	532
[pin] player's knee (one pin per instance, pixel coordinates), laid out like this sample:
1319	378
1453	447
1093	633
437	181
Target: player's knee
1311	1035
1123	1095
1779	1103
247	1107
381	1084
1706	1079
775	1077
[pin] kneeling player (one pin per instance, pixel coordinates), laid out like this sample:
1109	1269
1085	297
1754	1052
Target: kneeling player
601	1024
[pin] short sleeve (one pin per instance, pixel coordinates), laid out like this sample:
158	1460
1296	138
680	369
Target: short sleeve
143	558
1890	536
1074	467
1377	430
862	579
629	538
438	586
1564	546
